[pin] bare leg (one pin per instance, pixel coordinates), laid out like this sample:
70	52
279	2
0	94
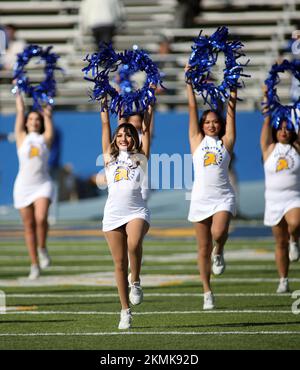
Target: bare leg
136	230
27	215
41	207
219	229
117	241
204	241
281	236
292	218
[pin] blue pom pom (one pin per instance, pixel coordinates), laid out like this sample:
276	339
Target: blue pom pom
44	92
277	111
129	99
204	56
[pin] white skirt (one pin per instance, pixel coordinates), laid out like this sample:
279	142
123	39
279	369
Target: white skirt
26	195
275	210
112	220
201	209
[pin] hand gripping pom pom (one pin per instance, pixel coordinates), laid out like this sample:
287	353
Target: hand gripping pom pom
278	111
44	92
204	56
128	100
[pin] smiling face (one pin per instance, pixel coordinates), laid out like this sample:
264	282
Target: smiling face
284	135
33	122
124	140
211	124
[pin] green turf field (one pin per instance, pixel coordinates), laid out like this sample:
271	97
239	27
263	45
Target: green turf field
74	305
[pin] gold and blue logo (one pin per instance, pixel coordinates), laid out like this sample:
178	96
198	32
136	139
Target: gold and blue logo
34	151
213	156
210	159
284	163
121	173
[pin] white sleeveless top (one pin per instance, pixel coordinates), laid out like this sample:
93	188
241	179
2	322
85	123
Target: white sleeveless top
282	183
125	201
33	180
145	183
212	191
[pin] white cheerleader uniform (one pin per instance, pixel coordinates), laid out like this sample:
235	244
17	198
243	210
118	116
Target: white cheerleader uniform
282	183
212	191
125	201
144	185
33	180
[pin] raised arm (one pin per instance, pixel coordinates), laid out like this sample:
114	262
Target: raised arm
20	132
146	130
266	140
230	132
195	135
49	130
297	142
106	130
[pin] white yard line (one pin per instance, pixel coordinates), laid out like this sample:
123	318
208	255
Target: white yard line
150	312
103	295
64	268
233	255
97	334
98	248
90	257
108	279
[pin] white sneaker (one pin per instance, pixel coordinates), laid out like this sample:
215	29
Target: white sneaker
136	293
218	265
283	286
44	258
294	252
209	301
125	319
34	272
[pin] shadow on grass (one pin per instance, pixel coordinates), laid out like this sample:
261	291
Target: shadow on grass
33	321
231	325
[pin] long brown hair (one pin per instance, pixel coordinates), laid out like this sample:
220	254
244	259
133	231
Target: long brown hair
220	118
293	137
132	131
42	128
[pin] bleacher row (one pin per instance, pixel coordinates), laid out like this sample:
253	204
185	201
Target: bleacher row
264	26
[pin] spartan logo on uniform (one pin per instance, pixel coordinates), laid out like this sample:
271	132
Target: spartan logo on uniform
284	162
34	151
210	158
212	155
121	174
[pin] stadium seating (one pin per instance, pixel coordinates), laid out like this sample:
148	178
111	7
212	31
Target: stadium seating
264	27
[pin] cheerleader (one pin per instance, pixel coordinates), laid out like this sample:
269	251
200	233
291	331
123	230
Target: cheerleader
280	150
33	189
213	198
137	121
126	216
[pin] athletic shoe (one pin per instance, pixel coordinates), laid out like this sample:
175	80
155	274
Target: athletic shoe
136	292
44	258
218	265
294	252
209	301
125	319
283	286
34	272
